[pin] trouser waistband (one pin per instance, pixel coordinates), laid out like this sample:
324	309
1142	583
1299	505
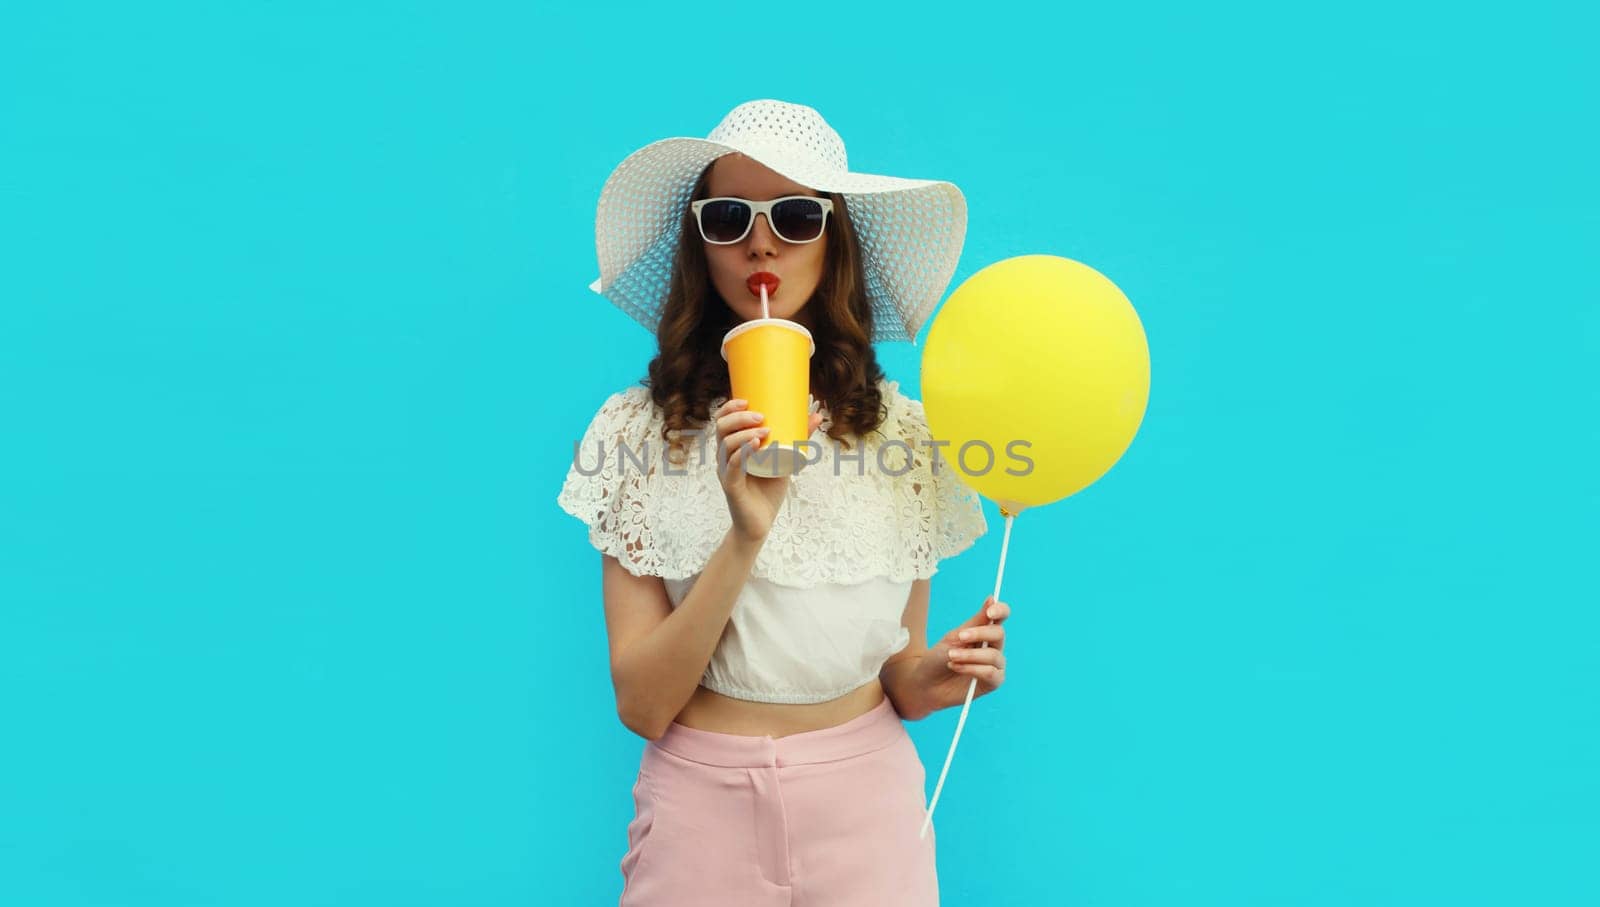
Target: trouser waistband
865	733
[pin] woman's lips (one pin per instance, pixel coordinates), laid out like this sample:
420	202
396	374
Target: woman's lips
755	281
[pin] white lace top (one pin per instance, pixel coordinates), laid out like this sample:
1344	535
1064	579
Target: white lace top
821	611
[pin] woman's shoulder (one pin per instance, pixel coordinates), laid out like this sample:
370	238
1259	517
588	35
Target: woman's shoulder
631	408
903	417
632	397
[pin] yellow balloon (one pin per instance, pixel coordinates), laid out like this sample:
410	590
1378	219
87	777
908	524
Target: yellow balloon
1036	372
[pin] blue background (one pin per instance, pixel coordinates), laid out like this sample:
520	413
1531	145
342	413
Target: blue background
295	341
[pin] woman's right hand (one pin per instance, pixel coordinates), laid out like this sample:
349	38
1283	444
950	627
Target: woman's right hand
753	501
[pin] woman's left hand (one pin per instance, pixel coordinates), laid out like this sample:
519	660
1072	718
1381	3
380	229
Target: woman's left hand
944	672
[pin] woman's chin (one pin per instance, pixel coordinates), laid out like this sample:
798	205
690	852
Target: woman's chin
752	312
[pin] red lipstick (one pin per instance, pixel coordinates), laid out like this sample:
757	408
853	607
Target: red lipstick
755	281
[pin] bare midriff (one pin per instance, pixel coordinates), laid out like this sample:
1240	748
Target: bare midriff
708	710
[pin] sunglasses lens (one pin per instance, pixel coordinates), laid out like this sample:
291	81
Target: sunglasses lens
798	219
723	220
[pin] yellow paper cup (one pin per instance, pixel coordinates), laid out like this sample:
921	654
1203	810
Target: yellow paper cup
769	364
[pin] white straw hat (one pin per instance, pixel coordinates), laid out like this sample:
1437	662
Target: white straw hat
910	230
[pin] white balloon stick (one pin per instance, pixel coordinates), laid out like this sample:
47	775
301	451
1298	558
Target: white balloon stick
971	687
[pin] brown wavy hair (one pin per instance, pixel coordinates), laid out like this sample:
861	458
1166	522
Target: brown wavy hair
688	371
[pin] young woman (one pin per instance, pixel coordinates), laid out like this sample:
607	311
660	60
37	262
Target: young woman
768	635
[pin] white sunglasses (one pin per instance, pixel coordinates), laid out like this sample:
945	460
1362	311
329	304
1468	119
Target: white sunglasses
794	218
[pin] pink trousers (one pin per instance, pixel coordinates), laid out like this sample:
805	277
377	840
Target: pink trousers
826	818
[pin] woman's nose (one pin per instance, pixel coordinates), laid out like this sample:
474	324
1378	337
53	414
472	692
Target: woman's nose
762	240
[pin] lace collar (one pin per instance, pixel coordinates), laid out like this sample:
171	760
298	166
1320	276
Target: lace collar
878	509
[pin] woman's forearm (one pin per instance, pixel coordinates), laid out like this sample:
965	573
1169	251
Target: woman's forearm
901	694
659	672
